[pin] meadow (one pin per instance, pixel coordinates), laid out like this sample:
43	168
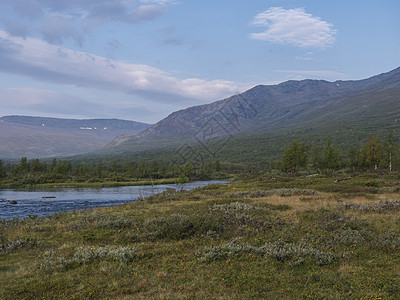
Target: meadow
274	236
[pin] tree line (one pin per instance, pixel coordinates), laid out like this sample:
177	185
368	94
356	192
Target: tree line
373	155
34	171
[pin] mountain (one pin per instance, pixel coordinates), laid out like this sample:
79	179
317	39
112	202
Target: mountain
314	105
45	137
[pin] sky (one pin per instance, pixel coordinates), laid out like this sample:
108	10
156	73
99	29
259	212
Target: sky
144	59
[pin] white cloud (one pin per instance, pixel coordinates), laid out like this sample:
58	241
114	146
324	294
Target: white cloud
293	27
42	61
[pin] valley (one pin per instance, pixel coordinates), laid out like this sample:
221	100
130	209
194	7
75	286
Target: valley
23	136
310	210
163	149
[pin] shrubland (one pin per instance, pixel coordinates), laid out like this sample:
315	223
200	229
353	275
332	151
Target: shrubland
265	236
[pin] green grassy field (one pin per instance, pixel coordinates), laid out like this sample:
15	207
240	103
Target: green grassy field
271	237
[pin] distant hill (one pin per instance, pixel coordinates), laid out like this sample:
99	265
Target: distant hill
46	137
315	106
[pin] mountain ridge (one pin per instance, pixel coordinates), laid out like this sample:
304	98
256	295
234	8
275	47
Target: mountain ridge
272	108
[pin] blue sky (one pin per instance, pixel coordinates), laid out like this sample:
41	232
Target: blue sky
143	59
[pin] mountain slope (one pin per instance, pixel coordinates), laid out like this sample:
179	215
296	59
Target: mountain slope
285	107
44	137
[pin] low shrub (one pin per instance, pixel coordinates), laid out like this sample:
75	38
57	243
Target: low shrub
282	192
8	246
87	255
179	226
297	253
330	220
376	207
52	262
349	237
387	240
235	207
101	221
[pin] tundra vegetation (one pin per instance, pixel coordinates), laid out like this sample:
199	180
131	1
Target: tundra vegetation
328	232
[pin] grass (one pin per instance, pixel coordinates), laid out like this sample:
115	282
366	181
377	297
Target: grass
290	238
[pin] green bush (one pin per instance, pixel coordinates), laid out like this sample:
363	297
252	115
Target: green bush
179	226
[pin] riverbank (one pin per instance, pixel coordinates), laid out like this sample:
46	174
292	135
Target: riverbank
274	237
21	203
88	184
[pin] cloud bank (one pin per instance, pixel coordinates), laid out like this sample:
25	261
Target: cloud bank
60	20
293	27
50	63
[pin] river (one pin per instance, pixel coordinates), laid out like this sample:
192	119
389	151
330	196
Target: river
43	202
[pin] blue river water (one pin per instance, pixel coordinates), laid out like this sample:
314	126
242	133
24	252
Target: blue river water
41	202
